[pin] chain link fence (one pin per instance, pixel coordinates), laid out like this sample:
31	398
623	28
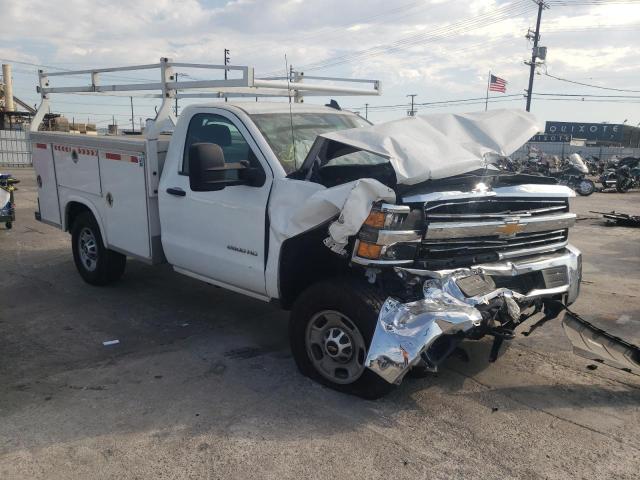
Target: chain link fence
15	149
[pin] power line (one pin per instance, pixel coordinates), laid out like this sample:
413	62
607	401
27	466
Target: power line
590	85
447	31
444	32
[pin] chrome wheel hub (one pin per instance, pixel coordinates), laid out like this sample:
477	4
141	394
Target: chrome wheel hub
335	347
88	249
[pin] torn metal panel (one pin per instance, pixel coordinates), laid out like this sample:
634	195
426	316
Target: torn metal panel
452	304
435	146
594	343
405	330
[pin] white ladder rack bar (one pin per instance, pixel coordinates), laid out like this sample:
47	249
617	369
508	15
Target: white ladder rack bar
295	86
149	66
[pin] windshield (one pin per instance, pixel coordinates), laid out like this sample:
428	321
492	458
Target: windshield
276	128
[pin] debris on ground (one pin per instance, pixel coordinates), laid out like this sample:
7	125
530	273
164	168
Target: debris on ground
620	219
110	342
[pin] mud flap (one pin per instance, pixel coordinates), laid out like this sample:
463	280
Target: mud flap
594	343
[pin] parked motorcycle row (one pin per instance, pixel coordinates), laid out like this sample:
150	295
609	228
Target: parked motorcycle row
574	171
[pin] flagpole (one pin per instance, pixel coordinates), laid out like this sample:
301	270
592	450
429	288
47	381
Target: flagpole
486	102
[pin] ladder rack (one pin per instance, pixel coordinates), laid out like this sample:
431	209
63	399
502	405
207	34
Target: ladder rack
294	87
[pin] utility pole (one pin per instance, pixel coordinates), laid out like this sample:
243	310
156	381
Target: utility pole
176	107
227	59
366	111
133	120
412	112
534	52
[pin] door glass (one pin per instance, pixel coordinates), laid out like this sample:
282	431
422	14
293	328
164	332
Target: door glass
211	128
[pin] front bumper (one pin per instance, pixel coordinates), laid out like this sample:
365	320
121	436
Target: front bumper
408	333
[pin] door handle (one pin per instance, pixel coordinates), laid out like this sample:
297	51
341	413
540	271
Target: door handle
178	192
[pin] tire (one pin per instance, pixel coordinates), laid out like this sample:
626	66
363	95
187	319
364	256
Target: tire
9	225
328	307
585	187
96	264
622	187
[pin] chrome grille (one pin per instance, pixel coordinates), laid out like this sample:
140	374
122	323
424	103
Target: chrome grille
479	230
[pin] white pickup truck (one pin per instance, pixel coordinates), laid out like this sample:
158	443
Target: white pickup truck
390	244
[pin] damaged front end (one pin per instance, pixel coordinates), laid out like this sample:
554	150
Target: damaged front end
468	303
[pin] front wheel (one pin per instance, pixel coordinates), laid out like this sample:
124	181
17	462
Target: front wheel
331	327
586	187
96	264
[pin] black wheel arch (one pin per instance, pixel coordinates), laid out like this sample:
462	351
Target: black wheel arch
305	260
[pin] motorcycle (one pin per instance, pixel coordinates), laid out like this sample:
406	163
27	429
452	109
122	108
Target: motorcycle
573	175
7	204
624	176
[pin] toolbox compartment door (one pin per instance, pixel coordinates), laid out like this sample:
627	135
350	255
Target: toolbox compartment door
77	167
125	196
47	184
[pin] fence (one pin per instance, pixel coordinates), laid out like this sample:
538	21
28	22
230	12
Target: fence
15	148
563	149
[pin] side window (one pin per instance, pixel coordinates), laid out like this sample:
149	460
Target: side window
211	128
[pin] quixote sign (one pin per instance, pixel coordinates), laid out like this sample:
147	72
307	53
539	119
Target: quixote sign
551	137
589	131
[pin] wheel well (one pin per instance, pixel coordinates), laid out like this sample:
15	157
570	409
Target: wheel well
305	260
74	209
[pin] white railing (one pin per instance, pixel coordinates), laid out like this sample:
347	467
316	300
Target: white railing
244	84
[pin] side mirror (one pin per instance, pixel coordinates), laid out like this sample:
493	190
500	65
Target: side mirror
206	167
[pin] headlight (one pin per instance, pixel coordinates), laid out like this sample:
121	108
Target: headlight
390	234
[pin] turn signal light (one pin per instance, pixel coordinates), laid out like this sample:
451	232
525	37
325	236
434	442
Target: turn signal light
375	219
369	250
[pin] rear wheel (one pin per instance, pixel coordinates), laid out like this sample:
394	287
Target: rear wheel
331	327
9	225
622	186
96	264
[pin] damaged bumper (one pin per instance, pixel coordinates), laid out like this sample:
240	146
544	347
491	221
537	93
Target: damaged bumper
469	303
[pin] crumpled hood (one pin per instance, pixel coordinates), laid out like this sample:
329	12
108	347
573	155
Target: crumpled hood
437	146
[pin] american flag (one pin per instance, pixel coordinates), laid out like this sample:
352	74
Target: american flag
497	84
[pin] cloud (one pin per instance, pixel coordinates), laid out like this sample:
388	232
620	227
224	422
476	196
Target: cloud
431	61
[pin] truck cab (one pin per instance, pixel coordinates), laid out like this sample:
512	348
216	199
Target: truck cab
224	236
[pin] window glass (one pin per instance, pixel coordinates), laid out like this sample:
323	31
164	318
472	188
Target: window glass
291	136
211	128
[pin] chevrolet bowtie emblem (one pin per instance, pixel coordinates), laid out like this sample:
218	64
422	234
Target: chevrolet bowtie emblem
510	228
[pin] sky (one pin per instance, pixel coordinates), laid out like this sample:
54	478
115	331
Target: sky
438	50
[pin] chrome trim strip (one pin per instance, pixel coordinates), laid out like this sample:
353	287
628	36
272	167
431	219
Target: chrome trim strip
493	242
524	191
493	247
523	213
446	230
392	208
530	251
391	237
383	263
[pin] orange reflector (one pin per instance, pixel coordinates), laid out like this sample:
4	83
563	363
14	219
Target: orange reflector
369	250
375	219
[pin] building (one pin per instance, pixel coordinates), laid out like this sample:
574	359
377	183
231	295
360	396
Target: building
590	134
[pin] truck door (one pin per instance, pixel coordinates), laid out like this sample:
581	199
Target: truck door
218	235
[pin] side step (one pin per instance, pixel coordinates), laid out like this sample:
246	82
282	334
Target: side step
594	343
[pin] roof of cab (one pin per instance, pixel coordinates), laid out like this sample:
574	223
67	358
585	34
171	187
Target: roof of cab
253	108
